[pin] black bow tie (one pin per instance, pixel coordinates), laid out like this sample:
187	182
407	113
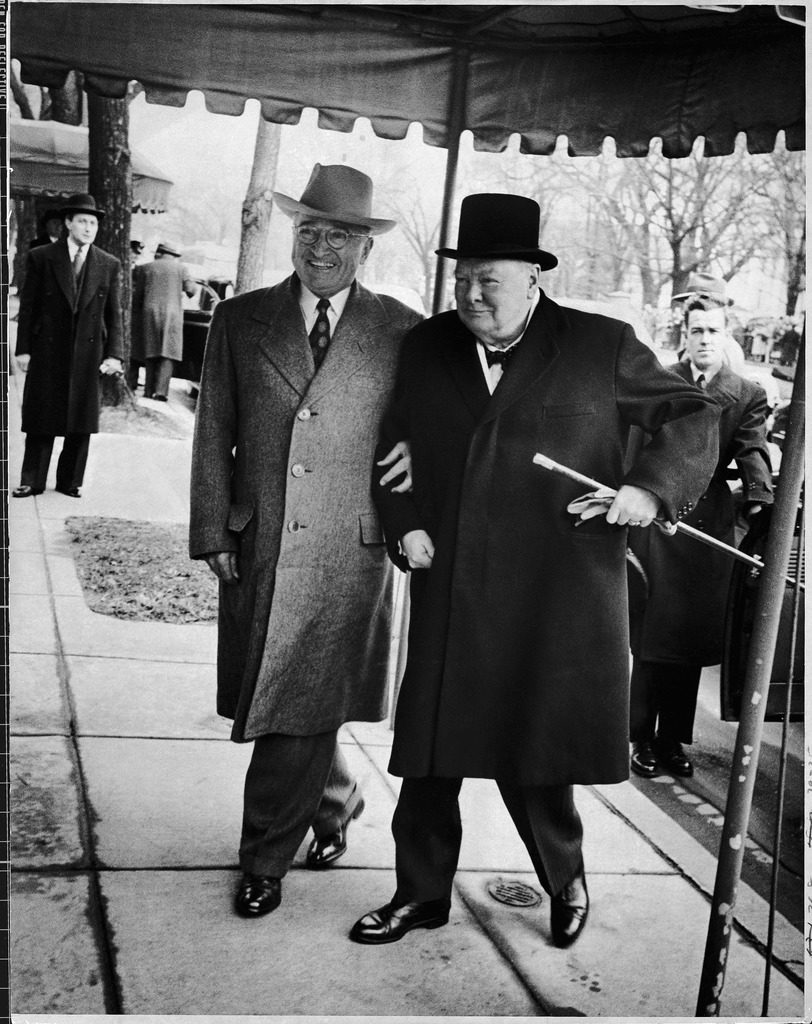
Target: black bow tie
499	356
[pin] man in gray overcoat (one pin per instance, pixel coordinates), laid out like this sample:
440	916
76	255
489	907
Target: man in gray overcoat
157	320
518	655
68	332
295	380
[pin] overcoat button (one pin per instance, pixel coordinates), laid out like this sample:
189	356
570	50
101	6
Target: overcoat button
293	526
303	414
297	470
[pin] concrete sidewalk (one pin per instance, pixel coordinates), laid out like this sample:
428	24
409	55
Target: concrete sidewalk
126	802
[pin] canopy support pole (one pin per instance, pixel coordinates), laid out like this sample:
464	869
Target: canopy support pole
744	764
456	126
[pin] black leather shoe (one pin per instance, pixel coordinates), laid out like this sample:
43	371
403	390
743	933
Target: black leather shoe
390	923
672	757
257	895
644	760
569	911
24	491
324	850
72	492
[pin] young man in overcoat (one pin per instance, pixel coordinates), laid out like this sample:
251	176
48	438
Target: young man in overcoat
678	627
68	331
295	381
518	658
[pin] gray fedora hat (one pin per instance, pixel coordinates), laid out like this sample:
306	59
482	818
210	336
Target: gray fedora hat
704	286
337	192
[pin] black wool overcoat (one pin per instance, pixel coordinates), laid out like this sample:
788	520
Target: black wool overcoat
682	617
518	656
68	336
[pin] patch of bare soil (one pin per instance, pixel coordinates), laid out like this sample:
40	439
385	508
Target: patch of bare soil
141	570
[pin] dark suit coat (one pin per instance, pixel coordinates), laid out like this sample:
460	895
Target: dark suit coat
682	617
67	337
518	645
280	474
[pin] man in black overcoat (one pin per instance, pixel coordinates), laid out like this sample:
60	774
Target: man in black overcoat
68	331
678	627
518	656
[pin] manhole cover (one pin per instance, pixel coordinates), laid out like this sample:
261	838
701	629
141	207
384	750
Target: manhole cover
514	894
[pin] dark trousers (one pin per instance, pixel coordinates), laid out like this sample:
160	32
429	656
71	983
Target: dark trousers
428	832
70	469
157	377
293	783
663	700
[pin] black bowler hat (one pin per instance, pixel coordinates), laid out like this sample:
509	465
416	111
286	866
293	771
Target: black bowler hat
498	226
81	203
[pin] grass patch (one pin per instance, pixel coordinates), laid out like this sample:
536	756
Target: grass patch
141	570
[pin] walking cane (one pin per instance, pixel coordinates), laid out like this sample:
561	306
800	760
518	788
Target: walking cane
689	531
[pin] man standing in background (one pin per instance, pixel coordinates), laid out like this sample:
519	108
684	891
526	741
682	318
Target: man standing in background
68	331
157	320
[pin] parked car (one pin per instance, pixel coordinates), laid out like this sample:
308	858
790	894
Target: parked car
196	319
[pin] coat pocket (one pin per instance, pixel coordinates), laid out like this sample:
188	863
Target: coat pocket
371	532
239	516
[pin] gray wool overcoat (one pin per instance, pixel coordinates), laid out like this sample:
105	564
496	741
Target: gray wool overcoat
280	474
68	336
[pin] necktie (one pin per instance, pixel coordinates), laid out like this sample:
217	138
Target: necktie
498	356
78	262
320	332
701	382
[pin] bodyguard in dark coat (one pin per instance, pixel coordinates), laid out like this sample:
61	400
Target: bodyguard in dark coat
517	663
68	331
678	627
295	382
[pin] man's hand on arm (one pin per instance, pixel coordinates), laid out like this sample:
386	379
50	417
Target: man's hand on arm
401	456
634	506
224	565
23	360
418	549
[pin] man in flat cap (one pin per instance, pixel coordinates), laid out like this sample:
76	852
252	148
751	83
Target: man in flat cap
68	331
518	654
157	320
294	384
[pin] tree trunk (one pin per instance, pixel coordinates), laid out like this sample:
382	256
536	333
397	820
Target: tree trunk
25	212
20	97
796	263
66	102
256	208
110	183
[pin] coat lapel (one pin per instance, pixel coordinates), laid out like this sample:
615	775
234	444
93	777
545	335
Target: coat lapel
91	276
63	271
537	351
462	361
352	343
277	329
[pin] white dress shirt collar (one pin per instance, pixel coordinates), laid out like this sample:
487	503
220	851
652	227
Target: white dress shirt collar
493	374
708	374
73	248
308	302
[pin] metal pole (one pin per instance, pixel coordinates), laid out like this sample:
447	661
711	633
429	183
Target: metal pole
782	772
754	702
456	126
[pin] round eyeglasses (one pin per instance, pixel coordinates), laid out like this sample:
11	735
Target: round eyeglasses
336	238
